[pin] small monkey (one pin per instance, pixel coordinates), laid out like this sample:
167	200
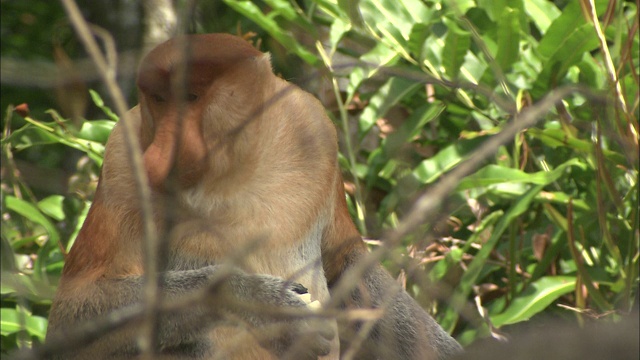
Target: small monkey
238	161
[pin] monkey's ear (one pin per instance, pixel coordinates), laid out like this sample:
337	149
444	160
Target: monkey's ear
263	64
254	73
265	59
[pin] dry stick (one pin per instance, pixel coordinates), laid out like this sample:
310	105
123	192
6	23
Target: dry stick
108	74
591	15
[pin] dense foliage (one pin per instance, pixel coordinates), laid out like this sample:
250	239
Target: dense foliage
548	224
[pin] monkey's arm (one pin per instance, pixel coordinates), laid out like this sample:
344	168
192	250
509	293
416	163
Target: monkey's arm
210	298
405	330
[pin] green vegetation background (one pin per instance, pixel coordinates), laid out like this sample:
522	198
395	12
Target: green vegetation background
547	225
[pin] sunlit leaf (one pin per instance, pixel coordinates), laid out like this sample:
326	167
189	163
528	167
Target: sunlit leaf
537	297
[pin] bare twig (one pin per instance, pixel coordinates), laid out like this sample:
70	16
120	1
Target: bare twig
108	75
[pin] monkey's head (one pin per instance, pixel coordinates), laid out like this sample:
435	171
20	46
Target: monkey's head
197	93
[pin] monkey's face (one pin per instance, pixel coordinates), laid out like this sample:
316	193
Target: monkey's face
196	99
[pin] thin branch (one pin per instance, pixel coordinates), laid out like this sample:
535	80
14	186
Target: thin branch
108	75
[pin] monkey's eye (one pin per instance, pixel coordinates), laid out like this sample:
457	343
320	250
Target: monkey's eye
157	98
192	97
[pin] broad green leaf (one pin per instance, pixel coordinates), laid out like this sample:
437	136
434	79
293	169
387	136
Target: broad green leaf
96	130
417	39
32	213
52	206
11	322
591	73
412	126
457	43
41	133
569	53
418	10
351	8
388	95
534	299
338	29
493	8
11	287
461	6
494	174
561	29
542	13
37	326
391	15
472	69
558	137
562	198
431	169
381	55
508	38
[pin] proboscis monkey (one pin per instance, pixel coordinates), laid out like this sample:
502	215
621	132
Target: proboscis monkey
245	162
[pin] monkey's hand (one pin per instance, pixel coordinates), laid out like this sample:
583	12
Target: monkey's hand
281	319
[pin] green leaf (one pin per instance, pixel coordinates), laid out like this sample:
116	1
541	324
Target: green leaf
12	321
494	174
569	52
542	13
37	326
381	55
417	39
470	276
32	213
431	169
9	321
534	299
558	137
388	95
456	45
352	9
52	206
508	38
41	133
96	130
412	126
338	29
394	18
561	29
